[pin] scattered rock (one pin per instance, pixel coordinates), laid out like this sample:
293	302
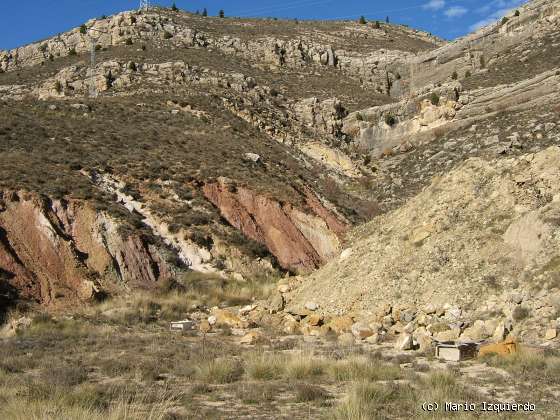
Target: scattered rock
253	337
276	303
311	306
551	334
252	157
404	342
341	324
314	320
449	335
283	288
361	330
246	309
227	318
374	339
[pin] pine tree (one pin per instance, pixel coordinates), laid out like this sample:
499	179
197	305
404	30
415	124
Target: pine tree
362	20
377	25
221	14
387	19
204	12
174	7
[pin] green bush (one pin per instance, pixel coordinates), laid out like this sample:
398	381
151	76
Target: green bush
83	29
454	76
390	120
362	20
221	14
434	99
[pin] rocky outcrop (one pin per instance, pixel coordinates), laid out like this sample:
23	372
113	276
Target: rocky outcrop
54	251
299	240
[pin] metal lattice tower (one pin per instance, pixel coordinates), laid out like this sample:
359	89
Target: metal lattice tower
92	88
144	4
93	36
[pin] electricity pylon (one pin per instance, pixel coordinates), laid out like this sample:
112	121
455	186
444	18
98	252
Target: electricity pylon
144	4
93	35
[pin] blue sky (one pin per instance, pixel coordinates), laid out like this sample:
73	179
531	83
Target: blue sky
25	21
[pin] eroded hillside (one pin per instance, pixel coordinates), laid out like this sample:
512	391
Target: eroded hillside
244	146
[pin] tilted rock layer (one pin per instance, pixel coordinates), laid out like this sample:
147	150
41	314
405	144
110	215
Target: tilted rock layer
53	250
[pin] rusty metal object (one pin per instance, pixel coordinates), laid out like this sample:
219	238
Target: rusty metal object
507	347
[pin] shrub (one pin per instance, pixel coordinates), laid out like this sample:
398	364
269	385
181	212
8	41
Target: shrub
434	99
204	12
72	51
359	117
359	368
65	375
174	7
307	392
265	367
221	13
128	41
390	120
256	393
454	76
504	20
516	14
83	29
362	20
304	367
520	313
377	24
219	371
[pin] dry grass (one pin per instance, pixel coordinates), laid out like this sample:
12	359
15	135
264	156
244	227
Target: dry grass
84	368
220	371
529	366
370	400
190	290
360	368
